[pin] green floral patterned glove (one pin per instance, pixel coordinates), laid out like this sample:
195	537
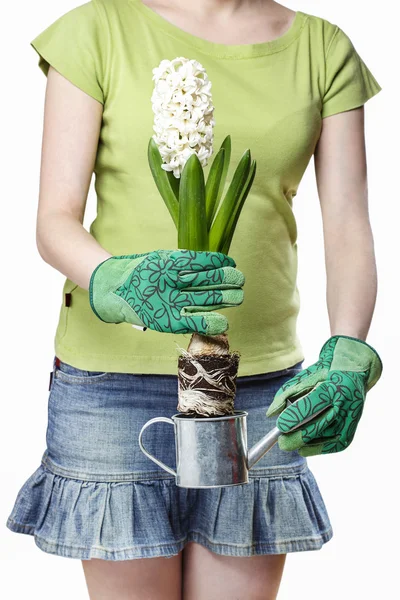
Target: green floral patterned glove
334	388
171	291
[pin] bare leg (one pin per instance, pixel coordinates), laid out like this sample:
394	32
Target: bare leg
138	579
209	576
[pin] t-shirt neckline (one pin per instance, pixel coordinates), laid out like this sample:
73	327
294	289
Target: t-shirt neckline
219	50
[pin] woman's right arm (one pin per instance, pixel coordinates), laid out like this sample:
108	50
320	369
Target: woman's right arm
72	121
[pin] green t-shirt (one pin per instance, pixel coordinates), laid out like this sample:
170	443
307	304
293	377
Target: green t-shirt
270	97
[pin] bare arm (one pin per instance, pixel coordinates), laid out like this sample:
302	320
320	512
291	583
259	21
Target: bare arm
341	174
72	121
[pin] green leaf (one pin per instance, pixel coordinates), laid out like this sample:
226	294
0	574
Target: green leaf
227	146
227	239
213	185
162	180
219	229
174	182
192	226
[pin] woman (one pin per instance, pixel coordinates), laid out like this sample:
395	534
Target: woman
288	85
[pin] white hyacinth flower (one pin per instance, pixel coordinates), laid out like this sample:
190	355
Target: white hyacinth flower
183	109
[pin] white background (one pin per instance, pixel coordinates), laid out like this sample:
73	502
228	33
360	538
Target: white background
359	485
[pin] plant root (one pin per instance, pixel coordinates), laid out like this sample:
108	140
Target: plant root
207	377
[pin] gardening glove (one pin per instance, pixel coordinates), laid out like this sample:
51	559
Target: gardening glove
334	388
171	291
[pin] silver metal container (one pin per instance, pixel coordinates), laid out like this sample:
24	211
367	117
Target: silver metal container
211	451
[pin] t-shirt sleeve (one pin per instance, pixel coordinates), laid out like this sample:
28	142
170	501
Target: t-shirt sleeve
74	46
349	83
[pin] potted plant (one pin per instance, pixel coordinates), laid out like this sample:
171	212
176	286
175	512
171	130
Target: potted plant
204	216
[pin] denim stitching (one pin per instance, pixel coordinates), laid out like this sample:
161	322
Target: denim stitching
192	535
276	544
90	379
277	472
97	477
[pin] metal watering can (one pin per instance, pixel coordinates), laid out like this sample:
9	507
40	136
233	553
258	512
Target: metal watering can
212	451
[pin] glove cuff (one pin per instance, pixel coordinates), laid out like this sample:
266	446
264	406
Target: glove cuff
91	287
107	277
353	354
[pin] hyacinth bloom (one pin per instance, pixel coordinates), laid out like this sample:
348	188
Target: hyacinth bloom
183	109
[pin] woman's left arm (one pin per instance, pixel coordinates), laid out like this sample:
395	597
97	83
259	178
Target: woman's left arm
341	175
319	408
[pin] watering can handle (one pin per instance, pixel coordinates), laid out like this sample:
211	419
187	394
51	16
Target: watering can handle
143	449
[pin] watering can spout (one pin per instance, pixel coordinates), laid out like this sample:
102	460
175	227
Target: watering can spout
266	443
261	447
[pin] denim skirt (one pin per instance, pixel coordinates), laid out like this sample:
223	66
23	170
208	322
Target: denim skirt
96	495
